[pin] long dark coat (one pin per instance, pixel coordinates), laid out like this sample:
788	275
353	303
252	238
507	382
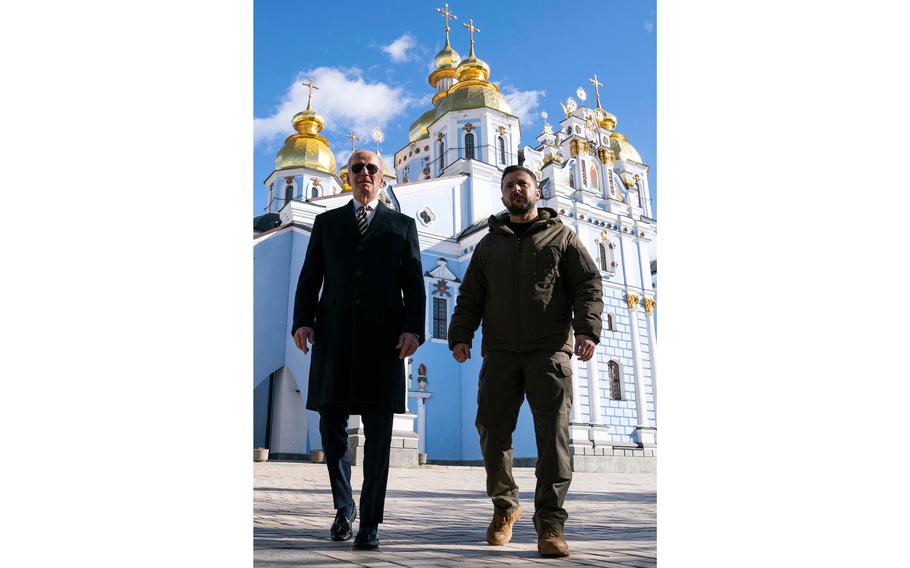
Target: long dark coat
372	291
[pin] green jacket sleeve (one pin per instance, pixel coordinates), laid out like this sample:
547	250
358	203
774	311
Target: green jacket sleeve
585	287
471	299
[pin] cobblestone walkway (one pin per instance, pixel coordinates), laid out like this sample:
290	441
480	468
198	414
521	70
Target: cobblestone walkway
437	516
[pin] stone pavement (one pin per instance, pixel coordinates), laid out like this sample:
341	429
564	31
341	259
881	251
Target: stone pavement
438	515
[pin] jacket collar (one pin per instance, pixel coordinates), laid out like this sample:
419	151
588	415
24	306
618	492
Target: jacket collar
545	218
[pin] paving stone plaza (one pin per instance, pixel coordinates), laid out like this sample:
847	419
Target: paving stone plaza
438	515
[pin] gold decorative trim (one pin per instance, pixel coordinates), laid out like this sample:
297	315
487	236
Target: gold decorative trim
632	301
650	304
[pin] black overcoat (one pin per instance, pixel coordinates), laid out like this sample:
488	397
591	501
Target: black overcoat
372	291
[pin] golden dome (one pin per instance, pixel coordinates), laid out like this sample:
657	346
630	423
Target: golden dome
306	149
472	68
447	58
607	120
420	127
623	150
475	94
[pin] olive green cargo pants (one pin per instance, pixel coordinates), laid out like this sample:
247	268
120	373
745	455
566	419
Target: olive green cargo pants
546	378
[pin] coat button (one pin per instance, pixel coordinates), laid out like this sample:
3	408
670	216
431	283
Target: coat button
357	302
359	247
358	273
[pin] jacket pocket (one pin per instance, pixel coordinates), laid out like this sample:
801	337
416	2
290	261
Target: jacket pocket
547	265
562	368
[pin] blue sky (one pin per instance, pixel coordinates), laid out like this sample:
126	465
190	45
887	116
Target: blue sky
372	60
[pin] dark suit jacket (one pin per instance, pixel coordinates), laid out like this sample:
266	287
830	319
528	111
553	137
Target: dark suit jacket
372	291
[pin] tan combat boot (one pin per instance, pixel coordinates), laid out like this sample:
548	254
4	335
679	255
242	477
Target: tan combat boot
500	530
551	544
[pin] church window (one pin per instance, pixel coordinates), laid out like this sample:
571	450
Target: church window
615	381
571	179
577	129
611	322
593	176
584	174
442	155
469	146
288	193
440	318
607	258
502	150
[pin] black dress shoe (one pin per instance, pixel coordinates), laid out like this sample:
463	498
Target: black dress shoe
367	538
341	528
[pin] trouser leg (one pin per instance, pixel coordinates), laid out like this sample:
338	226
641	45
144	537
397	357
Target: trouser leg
333	425
377	431
548	383
499	397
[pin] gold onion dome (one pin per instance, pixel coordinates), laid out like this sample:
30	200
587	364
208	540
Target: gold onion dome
623	150
306	149
420	128
607	120
473	90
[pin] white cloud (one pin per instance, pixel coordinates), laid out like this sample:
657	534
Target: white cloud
344	99
523	103
398	49
649	26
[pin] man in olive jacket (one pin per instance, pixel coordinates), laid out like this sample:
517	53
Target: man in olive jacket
369	317
531	282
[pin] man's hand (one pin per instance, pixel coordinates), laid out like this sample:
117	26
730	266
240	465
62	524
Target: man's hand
407	343
584	347
301	336
461	352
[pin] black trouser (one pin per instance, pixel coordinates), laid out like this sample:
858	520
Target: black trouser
505	378
377	429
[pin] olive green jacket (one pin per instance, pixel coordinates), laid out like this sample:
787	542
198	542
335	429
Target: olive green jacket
530	293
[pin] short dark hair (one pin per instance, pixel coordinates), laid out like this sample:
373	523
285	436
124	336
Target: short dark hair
516	168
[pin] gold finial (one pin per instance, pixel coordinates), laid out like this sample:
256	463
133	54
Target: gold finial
470	26
596	84
311	85
445	12
352	137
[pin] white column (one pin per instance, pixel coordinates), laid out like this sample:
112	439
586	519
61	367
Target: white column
632	302
594	390
422	425
407	381
650	304
575	416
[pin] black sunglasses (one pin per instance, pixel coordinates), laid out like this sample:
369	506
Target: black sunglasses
357	168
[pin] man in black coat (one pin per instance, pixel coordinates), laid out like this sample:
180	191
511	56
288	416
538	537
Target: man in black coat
368	319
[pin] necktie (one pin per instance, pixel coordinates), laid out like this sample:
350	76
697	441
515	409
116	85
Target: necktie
362	219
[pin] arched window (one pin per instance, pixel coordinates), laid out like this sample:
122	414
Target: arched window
288	193
442	155
571	179
584	174
607	258
502	150
469	146
594	177
615	381
611	322
314	192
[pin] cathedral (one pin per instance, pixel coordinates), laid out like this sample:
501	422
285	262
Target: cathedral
447	177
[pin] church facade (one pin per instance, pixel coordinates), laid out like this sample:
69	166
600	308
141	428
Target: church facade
447	177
